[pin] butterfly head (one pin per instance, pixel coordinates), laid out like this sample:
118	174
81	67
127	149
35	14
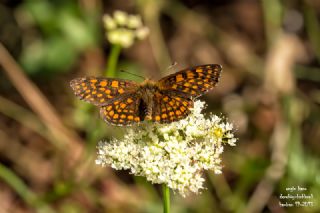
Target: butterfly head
148	84
147	89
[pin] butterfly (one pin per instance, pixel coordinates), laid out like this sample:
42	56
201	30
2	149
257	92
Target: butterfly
124	102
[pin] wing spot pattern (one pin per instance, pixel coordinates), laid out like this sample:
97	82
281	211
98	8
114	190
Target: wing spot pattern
179	78
190	74
185	103
186	90
115	84
103	83
121	91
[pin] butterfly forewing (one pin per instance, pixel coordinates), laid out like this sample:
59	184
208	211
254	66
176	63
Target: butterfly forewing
194	81
124	111
170	106
99	90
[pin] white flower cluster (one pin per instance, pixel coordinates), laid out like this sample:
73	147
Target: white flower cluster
174	154
124	29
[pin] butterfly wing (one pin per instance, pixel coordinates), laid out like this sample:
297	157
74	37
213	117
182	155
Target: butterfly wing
194	81
170	106
100	90
125	111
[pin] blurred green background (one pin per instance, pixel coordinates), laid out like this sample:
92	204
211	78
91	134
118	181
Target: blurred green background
270	90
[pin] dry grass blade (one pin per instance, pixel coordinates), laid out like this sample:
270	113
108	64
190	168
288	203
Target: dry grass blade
40	105
280	81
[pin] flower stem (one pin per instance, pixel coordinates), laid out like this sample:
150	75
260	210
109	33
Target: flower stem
166	198
113	60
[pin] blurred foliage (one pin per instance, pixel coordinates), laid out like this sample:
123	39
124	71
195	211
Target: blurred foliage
270	89
64	32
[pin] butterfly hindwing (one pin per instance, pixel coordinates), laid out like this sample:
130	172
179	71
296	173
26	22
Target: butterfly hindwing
194	81
124	111
99	90
170	106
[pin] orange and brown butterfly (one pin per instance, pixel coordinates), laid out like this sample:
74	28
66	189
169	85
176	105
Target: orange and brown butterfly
124	102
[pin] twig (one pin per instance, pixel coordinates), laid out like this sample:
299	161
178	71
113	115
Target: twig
280	82
275	171
26	118
40	105
29	162
151	14
22	189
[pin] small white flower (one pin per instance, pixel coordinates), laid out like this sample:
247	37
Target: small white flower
174	154
113	37
134	21
126	38
124	29
142	33
120	17
109	23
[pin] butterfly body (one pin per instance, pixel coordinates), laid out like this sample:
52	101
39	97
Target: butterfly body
170	99
146	91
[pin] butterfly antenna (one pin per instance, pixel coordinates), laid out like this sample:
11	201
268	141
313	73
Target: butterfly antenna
133	74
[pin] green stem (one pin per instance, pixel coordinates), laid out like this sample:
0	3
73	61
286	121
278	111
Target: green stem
22	190
166	198
272	12
312	27
113	60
